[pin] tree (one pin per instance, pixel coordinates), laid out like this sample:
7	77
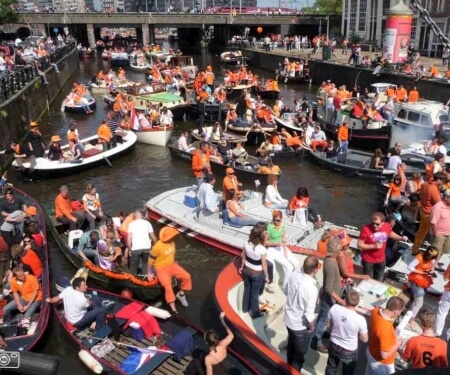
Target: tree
330	7
7	12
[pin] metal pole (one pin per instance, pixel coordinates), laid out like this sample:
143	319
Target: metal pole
240	6
328	27
146	6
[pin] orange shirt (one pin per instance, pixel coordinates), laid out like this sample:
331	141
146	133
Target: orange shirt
413	96
32	260
343	133
401	94
162	254
27	288
424	351
434	71
395	190
429	196
276	140
390	92
382	337
229	183
63	207
104	134
322	246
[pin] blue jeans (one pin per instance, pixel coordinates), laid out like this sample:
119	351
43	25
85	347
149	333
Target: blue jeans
321	323
253	282
374	270
12	307
337	354
344	145
243	221
97	313
92	255
298	344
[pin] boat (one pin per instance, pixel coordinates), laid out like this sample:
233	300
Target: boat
268	334
93	155
166	357
356	163
289	120
214	111
119	59
102	87
235	91
185	63
229	137
376	135
78	108
283	76
140	287
86	53
266	92
21	338
158	136
234	58
140	66
248	173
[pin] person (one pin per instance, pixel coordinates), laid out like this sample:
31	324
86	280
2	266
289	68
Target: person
12	228
27	295
392	150
372	242
28	256
34	140
331	151
239	154
54	150
272	197
104	135
420	278
230	182
440	225
394	195
383	341
394	161
64	212
329	293
444	305
345	326
162	263
236	211
301	201
376	161
266	165
139	242
225	150
254	269
200	162
79	310
276	246
108	252
429	196
301	300
77	150
217	349
12	204
22	154
87	246
206	197
426	350
92	206
318	138
266	146
183	142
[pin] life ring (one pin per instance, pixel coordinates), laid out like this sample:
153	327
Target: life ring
307	78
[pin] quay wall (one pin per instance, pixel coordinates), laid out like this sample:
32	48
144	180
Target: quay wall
348	75
32	101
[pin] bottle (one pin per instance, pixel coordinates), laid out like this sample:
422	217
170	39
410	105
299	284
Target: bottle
403	323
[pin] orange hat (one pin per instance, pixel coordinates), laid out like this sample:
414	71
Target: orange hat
31	211
167	233
55	138
229	171
342	235
33	124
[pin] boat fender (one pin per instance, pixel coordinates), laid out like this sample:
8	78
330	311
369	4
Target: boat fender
87	358
62	283
158	313
34	364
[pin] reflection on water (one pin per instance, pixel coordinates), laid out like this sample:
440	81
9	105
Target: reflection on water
149	170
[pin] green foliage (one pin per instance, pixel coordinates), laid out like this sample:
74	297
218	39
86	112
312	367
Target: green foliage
7	12
354	38
328	7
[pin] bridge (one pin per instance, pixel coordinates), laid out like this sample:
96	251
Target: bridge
86	26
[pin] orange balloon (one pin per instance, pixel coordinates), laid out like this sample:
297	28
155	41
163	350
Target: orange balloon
259	30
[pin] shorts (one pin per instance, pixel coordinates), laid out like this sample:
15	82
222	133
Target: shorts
442	244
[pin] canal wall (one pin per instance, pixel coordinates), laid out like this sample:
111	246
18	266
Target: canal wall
32	101
348	75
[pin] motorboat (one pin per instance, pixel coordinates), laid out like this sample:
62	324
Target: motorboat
156	135
140	66
207	136
235	91
119	59
282	75
93	155
71	106
103	87
234	58
184	63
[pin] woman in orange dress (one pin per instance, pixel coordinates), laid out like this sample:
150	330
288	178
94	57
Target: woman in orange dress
420	278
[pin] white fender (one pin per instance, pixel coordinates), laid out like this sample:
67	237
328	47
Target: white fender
87	358
158	313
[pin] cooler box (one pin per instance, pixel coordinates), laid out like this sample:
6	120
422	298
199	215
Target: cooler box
190	199
74	238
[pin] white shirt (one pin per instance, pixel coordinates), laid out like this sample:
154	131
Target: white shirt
182	143
207	198
347	326
75	304
139	231
318	136
302	294
394	162
254	253
442	150
272	195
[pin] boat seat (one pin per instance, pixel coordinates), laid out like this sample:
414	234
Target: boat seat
212	220
358	161
91	152
60	227
226	220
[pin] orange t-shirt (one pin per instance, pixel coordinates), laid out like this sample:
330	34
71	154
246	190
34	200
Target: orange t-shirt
382	337
162	254
395	190
424	351
32	260
27	288
322	246
343	133
104	133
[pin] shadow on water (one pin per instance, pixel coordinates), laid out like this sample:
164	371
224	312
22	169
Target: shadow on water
148	171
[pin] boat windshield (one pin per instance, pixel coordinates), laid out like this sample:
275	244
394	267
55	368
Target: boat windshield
289	116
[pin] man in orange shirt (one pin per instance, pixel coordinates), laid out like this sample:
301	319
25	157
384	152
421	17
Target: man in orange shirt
64	212
413	95
162	261
383	341
429	196
230	182
104	135
200	162
426	350
27	295
343	136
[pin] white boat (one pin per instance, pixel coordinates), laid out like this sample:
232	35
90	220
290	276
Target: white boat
288	120
93	154
70	106
186	63
158	136
140	66
119	59
102	87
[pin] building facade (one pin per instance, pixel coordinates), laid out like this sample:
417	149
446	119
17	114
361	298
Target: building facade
366	20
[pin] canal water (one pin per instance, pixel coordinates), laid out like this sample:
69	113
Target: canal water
150	170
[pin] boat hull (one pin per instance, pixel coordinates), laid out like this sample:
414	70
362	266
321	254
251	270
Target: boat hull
79	109
119	62
214	111
268	94
155	136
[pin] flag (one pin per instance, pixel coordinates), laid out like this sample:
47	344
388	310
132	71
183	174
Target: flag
134	121
137	358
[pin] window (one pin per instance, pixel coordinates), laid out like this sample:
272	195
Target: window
443	118
413	116
413	29
440	5
425	120
401	114
362	15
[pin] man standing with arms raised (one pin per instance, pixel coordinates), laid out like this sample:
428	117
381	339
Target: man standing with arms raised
302	293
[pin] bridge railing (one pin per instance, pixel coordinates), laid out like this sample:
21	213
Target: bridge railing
11	81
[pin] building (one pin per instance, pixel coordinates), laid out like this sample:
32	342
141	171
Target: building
366	19
69	6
